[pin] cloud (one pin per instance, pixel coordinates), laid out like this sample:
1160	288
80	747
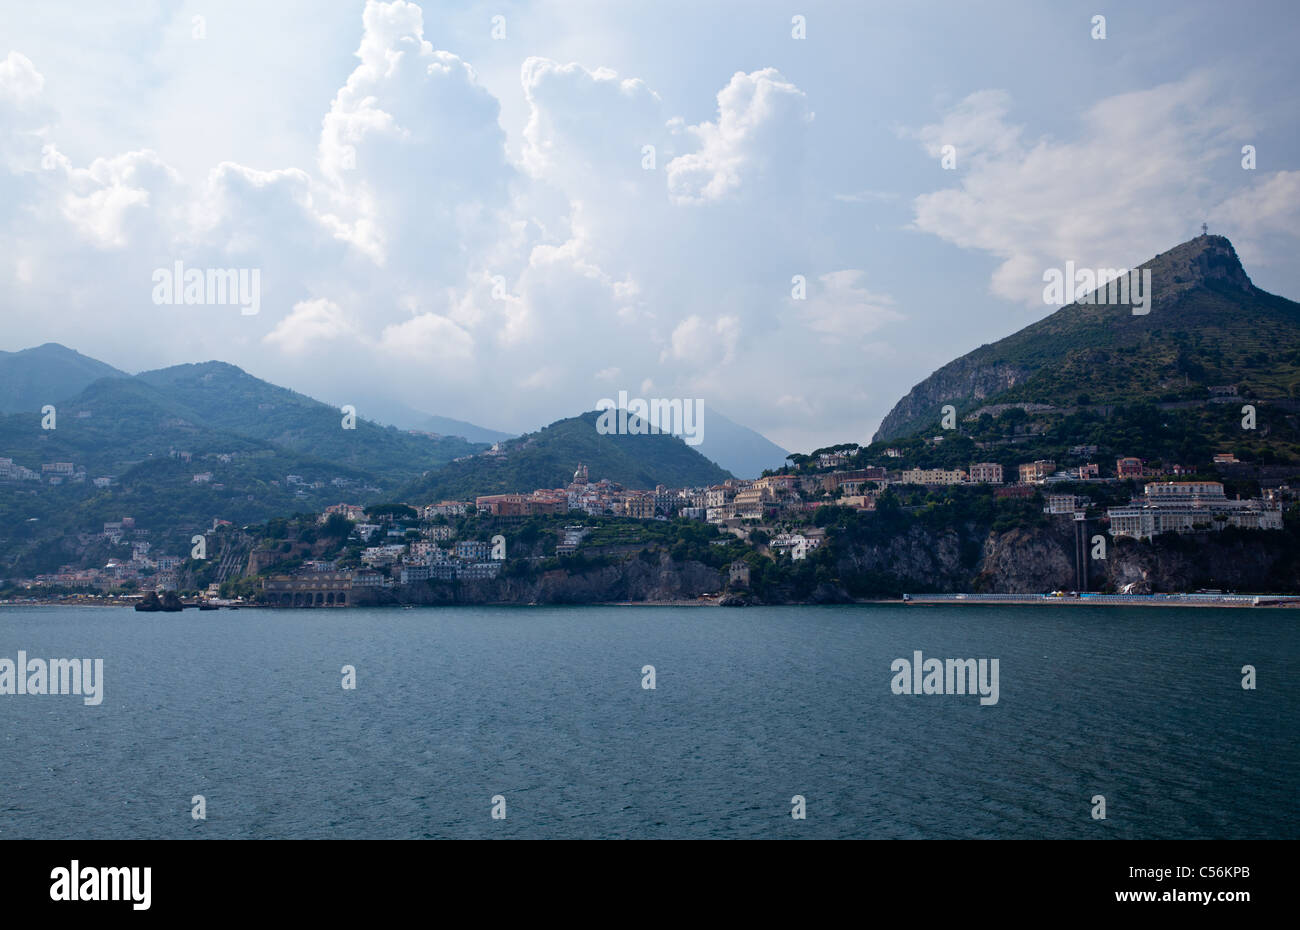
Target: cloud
428	337
311	323
405	251
20	82
1124	190
705	343
750	143
840	307
1264	218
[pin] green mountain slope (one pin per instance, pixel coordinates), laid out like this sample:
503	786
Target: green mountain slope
548	457
183	447
1208	326
46	374
226	397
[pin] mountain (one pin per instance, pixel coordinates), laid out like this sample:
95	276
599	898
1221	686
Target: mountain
740	450
46	374
224	397
396	413
184	446
548	458
1207	326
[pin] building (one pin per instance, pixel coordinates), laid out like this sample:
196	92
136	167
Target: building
932	476
1179	490
640	506
426	551
410	574
313	589
1064	503
381	555
473	550
1225	458
445	509
1037	471
857	477
1190	507
353	512
570	539
477	571
1130	467
718	496
521	505
986	473
11	472
781	484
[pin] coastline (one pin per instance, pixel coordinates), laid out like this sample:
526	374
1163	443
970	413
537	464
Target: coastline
909	600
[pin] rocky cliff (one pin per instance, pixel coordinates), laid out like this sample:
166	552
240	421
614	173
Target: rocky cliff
632	580
1040	559
1022	560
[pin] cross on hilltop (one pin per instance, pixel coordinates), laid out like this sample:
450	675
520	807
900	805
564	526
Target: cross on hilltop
1205	230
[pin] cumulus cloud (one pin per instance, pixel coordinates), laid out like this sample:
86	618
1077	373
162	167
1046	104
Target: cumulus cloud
310	323
428	337
414	258
747	145
1122	191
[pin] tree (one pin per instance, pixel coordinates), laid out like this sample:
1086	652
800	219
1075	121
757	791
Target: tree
336	526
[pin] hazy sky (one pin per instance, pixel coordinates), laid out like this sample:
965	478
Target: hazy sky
470	223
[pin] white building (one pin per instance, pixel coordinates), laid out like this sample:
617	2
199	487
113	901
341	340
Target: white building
1189	507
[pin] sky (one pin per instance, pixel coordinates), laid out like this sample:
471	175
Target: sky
503	212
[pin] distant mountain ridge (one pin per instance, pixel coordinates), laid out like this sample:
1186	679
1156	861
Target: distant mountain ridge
548	458
1208	325
738	449
47	374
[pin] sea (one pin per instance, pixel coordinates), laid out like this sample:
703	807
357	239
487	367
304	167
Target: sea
655	722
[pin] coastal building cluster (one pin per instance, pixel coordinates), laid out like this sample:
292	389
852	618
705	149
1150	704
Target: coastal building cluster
396	550
1193	506
145	569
